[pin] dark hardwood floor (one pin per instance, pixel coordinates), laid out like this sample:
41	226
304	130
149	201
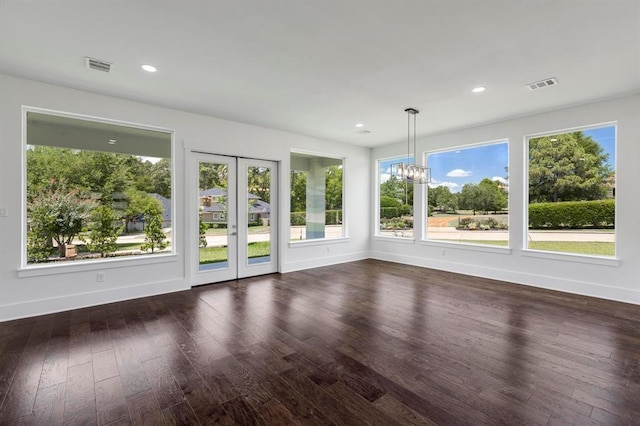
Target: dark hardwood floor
367	342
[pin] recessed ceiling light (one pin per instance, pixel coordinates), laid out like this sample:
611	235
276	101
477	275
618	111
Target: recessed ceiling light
478	89
149	68
359	125
111	141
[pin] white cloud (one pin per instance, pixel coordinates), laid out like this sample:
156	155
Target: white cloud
384	177
459	173
454	187
500	179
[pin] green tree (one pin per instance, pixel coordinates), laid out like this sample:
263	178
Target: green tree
202	230
333	191
298	191
440	198
259	182
160	176
566	167
138	203
154	238
59	213
105	227
46	164
213	176
401	191
493	197
39	246
484	196
102	173
469	196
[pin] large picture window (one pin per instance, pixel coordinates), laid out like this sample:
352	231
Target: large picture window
395	201
467	198
316	197
572	190
95	190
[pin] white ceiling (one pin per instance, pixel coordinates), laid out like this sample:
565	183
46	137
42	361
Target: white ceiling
318	67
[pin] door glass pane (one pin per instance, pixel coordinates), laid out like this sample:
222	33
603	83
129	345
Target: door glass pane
258	215
212	195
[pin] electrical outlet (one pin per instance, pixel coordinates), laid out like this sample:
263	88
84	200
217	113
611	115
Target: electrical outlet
3	211
100	277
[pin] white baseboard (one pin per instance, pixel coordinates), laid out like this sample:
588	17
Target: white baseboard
83	300
583	288
324	261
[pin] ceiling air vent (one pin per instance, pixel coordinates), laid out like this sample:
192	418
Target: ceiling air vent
542	83
97	64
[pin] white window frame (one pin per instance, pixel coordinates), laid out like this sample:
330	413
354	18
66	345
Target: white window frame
318	241
39	269
565	256
466	245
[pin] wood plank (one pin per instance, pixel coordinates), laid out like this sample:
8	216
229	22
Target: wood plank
163	383
180	414
49	405
80	398
110	401
144	409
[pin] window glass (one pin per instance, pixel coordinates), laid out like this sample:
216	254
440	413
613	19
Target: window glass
95	190
316	197
395	198
467	198
572	189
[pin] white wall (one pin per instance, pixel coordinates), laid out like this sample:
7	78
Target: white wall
55	289
617	280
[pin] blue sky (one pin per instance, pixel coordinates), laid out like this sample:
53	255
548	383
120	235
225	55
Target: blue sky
472	164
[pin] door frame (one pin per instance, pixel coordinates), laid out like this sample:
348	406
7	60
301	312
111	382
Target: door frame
237	229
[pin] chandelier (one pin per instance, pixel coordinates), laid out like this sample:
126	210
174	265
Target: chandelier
410	171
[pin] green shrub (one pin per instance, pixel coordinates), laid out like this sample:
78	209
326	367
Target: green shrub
484	224
298	218
333	217
572	214
389	212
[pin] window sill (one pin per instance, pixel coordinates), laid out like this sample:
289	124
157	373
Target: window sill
92	265
317	242
467	246
570	257
394	239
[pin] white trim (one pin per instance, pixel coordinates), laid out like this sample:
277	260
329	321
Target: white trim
317	242
50	305
485	248
38	270
571	257
515	277
318	262
394	239
575	257
25	267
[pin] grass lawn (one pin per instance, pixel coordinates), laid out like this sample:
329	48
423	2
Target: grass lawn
596	248
219	254
128	246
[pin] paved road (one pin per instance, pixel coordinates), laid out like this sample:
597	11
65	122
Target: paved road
452	234
435	233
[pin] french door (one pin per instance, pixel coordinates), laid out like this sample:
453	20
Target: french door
235	218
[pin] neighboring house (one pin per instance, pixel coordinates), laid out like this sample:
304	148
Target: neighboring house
213	206
120	202
166	209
